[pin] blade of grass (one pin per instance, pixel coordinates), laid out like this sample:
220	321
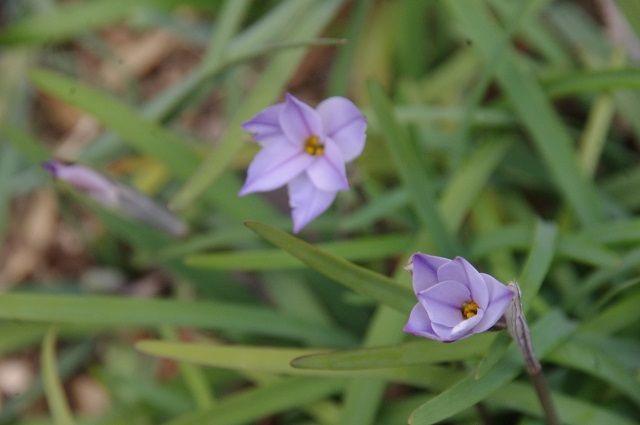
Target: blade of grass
363	249
592	81
538	262
533	108
230	19
56	399
422	194
192	375
521	397
590	359
374	285
470	179
253	404
407	354
114	311
340	73
67	21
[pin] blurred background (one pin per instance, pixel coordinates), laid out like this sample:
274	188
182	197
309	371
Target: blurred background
494	115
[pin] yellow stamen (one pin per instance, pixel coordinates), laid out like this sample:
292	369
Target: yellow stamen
469	309
313	147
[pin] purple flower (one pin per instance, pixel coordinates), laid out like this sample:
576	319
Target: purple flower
454	300
115	196
306	149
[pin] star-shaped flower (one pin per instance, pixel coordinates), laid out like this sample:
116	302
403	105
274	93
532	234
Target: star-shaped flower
306	149
454	300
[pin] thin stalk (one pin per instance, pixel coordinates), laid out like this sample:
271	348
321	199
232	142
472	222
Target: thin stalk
519	330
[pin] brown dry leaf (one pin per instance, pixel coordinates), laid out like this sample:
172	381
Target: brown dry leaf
35	233
139	57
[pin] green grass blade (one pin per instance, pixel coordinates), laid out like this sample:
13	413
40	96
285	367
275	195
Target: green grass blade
244	358
407	354
590	359
192	376
527	97
56	399
24	143
341	71
374	285
363	249
251	405
538	262
114	311
469	181
276	360
230	19
421	191
620	315
521	397
66	22
142	134
592	81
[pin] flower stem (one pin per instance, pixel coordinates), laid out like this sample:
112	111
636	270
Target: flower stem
544	395
519	330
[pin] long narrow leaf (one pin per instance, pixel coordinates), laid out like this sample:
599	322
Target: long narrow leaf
113	311
52	387
359	279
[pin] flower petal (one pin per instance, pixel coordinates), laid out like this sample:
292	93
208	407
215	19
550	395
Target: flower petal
443	302
419	323
460	270
274	166
307	201
344	123
467	327
460	331
500	297
265	125
424	268
328	171
299	121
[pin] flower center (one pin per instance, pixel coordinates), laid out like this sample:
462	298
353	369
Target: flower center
469	309
313	147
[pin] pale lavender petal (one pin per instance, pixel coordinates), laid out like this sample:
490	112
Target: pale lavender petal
265	125
274	166
344	123
299	121
419	323
477	285
443	302
452	271
84	179
455	333
500	297
328	171
424	268
307	202
460	270
466	327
